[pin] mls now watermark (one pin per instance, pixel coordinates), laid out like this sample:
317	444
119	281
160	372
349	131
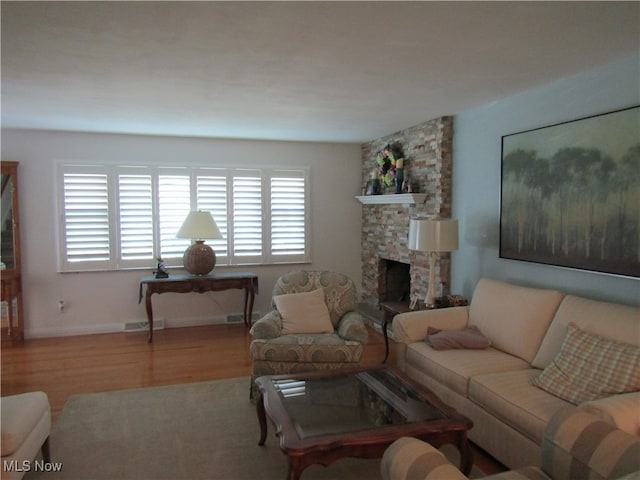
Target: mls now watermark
31	466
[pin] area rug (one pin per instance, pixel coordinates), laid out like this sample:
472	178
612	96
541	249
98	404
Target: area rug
205	430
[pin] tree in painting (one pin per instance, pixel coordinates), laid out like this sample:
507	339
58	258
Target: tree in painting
580	208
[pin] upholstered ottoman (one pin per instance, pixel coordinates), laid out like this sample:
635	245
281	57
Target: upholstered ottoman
26	424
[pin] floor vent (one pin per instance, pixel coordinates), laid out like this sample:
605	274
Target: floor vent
142	326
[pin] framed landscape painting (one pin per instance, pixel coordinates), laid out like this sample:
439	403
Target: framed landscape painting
570	194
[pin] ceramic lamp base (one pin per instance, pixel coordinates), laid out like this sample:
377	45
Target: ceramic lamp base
199	258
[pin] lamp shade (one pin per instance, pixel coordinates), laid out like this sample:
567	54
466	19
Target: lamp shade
199	225
433	235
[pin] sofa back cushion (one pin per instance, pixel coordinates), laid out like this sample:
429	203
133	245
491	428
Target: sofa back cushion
514	318
609	320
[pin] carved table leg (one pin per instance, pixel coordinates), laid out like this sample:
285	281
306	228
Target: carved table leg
247	320
147	304
295	469
252	296
466	456
385	334
262	418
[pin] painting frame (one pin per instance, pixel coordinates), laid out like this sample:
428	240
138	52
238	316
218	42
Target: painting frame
570	194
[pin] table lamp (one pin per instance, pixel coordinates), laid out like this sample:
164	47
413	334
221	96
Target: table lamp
433	236
199	258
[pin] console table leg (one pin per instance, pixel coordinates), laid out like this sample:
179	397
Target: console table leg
247	320
252	297
147	304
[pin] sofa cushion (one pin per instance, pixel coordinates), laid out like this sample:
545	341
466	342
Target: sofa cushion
319	347
454	368
304	312
469	337
610	320
511	397
589	367
515	318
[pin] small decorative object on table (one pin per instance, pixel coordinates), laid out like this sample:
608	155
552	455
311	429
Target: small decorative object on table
387	160
161	271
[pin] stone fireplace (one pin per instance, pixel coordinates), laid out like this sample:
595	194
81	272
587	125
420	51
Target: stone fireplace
390	271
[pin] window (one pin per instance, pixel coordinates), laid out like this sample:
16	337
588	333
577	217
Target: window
120	217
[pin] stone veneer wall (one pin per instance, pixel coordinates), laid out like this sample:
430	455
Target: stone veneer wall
385	228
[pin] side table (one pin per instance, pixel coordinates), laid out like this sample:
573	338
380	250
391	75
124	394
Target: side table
391	309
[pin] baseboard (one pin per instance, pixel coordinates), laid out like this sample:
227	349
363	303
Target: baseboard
138	325
73	331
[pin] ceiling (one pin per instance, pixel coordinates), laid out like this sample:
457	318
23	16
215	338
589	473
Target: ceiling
313	71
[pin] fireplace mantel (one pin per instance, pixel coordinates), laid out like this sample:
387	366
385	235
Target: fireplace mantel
404	198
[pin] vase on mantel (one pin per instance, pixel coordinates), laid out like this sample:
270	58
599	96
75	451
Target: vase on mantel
399	179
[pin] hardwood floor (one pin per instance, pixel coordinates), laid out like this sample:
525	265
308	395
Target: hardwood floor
66	366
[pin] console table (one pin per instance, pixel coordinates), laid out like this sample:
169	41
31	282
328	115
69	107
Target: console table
185	283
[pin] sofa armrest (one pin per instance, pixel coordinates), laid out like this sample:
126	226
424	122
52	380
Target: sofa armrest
269	326
578	444
623	411
412	327
352	327
408	458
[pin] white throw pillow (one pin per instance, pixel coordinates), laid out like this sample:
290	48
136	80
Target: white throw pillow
305	312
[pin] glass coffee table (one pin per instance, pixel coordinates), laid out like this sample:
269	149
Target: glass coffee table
321	417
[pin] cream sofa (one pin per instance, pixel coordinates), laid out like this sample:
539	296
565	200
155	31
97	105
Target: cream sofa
493	386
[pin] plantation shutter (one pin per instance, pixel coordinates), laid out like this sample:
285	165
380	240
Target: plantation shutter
116	217
86	218
288	215
174	205
212	197
136	217
247	215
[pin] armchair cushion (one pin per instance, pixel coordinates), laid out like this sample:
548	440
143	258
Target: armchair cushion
304	312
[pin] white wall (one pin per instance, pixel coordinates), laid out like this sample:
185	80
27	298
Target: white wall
101	302
476	178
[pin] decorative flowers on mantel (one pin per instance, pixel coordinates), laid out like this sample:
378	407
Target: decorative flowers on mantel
389	159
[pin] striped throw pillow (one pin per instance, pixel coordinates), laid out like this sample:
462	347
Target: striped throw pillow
589	367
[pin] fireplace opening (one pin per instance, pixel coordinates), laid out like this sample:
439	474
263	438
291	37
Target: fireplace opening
395	281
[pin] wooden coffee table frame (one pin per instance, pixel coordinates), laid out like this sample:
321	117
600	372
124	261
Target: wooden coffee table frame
370	443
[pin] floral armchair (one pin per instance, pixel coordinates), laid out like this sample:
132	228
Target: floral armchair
290	341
